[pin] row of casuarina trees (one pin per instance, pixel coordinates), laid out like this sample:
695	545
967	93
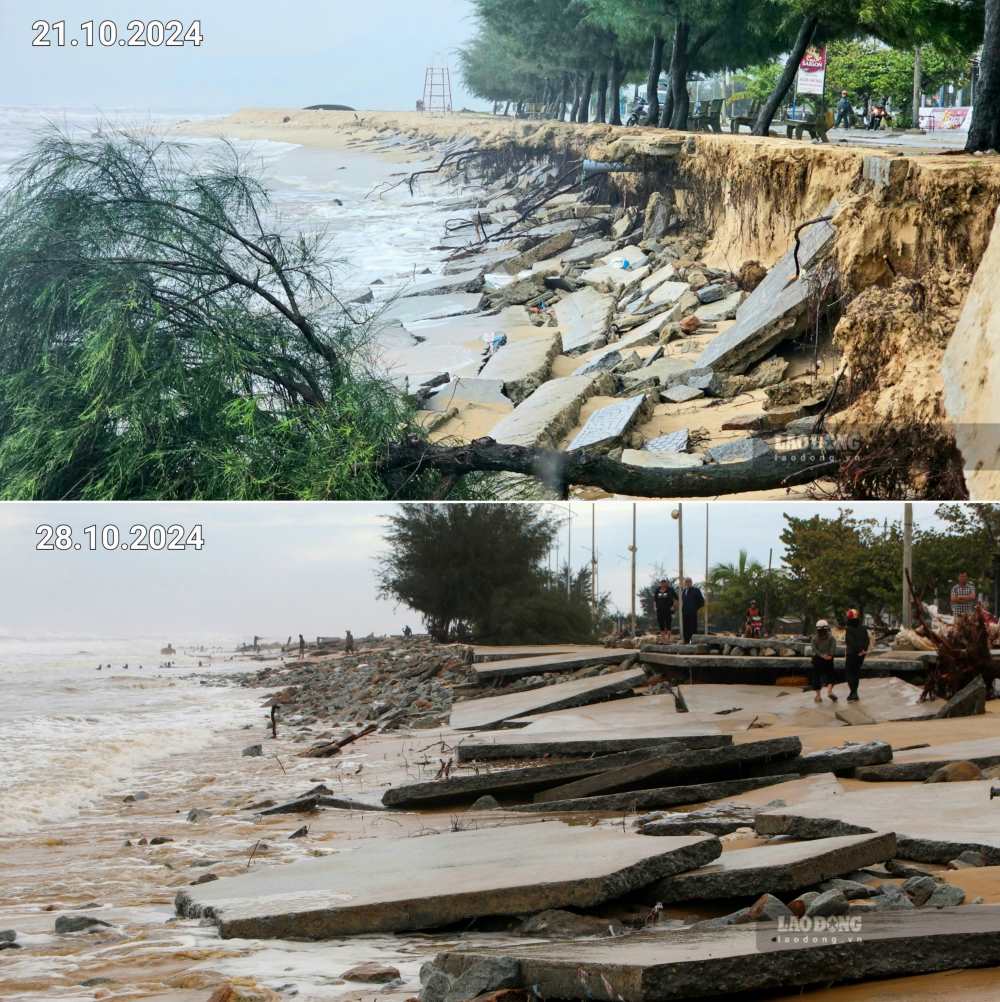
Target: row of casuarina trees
558	55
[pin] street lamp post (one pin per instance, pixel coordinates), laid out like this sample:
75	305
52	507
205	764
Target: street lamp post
907	564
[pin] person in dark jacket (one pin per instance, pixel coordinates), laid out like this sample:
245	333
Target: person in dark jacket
692	602
664	600
858	643
845	111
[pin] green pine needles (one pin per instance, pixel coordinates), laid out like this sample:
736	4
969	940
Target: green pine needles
160	340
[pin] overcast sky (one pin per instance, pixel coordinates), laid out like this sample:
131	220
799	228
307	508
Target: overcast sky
255	53
276	569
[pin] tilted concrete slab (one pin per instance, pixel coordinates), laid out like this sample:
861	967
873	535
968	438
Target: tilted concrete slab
504	744
646	800
917	764
773	312
971	374
720	668
470	327
480	714
468	390
522	366
464	281
609	423
394	885
482	261
413	308
584	318
733	762
777	869
611	274
550	412
583	253
700	962
933	823
518	667
664	372
661	460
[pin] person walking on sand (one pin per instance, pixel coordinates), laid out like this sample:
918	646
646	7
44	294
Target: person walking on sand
963	596
858	643
692	602
302	646
664	599
349	643
824	648
845	111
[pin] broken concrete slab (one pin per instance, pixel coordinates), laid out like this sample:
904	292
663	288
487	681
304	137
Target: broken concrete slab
517	782
464	281
551	247
480	714
682	393
584	253
395	885
522	366
674	441
740	450
609	423
840	761
969	701
550	412
919	763
774	311
722	668
730	762
413	308
663	372
667	796
584	319
603	362
617	270
661	460
724	309
724	962
933	824
511	668
468	390
721	819
776	869
520	745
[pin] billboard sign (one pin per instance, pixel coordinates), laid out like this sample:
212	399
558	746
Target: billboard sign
812	71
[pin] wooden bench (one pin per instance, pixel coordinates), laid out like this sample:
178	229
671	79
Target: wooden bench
816	127
709	119
749	119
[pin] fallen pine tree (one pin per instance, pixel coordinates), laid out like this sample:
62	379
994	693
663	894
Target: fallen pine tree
558	471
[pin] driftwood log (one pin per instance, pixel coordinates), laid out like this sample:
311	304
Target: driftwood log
586	468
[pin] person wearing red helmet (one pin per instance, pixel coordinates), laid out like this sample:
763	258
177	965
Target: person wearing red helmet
857	643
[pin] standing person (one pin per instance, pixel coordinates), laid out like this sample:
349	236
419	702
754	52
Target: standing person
963	596
824	649
692	602
845	111
664	600
302	646
349	643
858	643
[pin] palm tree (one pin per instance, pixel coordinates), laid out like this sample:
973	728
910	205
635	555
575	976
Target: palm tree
733	585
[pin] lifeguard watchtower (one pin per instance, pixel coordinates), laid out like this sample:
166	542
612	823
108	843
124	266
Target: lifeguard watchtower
437	91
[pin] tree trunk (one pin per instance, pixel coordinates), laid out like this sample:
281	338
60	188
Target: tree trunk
762	127
506	109
653	81
615	89
577	89
601	114
668	109
563	98
559	470
678	76
583	113
984	132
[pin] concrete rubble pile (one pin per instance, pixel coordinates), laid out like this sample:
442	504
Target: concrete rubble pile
659	853
625	294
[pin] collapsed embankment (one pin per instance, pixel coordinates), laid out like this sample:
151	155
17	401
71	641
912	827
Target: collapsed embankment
910	233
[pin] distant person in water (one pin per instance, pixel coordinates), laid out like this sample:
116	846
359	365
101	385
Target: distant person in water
349	643
302	646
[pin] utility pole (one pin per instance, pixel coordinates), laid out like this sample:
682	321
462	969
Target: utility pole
907	564
593	556
707	508
917	86
569	548
679	512
632	550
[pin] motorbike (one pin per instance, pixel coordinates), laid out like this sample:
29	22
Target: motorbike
638	114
